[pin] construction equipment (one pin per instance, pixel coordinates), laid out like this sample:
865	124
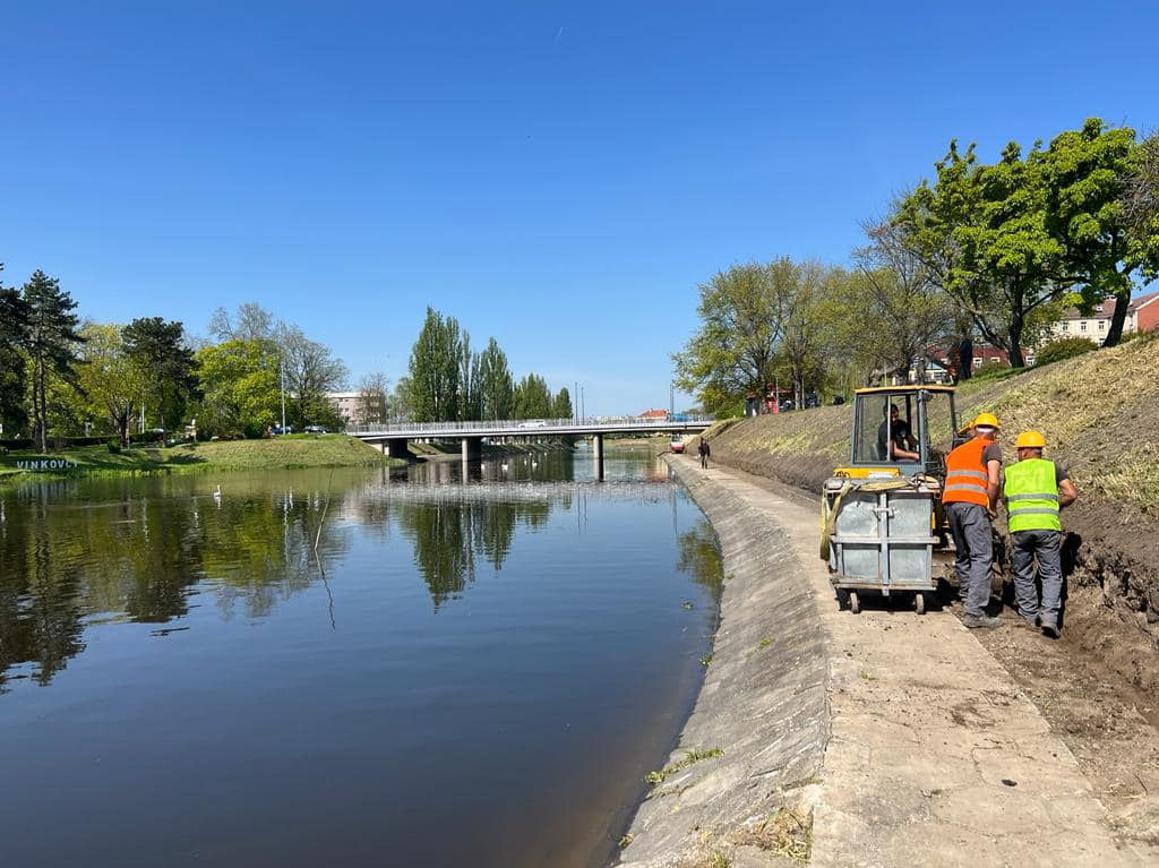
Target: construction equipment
881	515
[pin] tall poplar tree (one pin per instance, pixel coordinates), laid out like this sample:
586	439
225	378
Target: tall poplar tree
50	341
496	384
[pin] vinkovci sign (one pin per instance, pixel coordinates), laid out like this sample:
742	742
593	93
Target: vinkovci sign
45	464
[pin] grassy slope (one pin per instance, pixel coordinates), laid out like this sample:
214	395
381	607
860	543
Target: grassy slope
332	450
1099	412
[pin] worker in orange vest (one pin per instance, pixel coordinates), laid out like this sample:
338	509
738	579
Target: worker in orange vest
973	479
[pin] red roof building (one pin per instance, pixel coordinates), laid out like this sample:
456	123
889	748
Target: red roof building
1142	316
654	414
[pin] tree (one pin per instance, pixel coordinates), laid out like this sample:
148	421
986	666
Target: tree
905	309
13	370
311	372
1140	203
561	406
982	230
733	352
470	398
496	385
50	341
110	381
374	398
251	322
532	398
159	347
435	370
1087	173
241	388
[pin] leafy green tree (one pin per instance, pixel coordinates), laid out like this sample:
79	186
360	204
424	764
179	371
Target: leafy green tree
733	352
160	348
50	342
470	375
1140	203
532	398
241	389
311	372
13	370
561	405
112	384
1086	173
982	229
496	385
436	370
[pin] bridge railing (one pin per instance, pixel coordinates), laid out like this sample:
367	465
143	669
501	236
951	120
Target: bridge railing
531	426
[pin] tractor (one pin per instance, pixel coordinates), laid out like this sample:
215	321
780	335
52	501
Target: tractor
881	514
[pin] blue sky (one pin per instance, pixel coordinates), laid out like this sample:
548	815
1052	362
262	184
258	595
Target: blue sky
558	175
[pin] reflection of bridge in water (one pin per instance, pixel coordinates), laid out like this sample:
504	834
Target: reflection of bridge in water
393	438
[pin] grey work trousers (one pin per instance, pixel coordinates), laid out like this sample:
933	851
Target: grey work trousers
1045	546
974	554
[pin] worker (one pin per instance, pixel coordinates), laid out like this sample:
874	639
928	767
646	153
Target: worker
705	452
1035	490
895	439
973	476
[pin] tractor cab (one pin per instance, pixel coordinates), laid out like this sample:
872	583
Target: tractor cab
881	514
902	430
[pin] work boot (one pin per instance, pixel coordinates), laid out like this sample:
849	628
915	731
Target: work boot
1049	628
1026	623
976	621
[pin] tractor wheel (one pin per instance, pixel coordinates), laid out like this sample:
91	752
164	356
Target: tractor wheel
920	603
854	602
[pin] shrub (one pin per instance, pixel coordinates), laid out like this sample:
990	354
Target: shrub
1063	348
995	371
114	446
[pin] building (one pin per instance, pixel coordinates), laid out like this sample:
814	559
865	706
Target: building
347	404
653	414
1142	316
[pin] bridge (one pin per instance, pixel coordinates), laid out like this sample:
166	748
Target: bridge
392	438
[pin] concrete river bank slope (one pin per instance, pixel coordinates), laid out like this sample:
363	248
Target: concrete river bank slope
881	739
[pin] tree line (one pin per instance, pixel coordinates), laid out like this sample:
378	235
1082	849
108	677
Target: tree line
68	377
991	251
447	381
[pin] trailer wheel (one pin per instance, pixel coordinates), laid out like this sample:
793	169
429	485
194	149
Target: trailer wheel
854	602
920	603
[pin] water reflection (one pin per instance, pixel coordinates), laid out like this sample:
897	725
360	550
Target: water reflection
78	553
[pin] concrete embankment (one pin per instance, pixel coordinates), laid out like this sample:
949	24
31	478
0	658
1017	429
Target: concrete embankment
880	739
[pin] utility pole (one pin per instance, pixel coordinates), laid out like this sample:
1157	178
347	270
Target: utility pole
282	376
575	401
583	413
671	401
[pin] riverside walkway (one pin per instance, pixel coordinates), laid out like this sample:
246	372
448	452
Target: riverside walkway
901	737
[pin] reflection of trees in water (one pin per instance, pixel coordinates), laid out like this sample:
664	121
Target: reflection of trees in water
449	536
138	558
700	557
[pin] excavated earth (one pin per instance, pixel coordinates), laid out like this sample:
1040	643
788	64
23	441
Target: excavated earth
1098	686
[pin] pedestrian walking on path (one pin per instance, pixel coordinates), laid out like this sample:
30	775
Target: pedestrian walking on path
973	477
705	452
1036	490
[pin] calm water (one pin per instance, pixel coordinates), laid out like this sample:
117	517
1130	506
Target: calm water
341	668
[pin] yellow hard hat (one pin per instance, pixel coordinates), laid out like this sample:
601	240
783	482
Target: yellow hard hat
986	420
1030	440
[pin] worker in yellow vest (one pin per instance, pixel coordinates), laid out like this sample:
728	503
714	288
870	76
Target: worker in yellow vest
973	479
1036	490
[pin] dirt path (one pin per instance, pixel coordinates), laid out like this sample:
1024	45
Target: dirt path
938	754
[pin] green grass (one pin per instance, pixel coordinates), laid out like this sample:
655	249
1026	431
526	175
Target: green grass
327	450
690	757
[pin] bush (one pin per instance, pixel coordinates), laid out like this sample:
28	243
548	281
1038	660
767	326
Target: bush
1063	348
114	446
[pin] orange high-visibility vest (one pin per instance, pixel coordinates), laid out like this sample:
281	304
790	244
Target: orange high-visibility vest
966	475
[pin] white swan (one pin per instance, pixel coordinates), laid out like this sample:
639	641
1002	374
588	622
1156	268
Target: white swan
217	494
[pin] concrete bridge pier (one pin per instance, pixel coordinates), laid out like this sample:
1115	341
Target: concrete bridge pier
395	447
598	455
472	449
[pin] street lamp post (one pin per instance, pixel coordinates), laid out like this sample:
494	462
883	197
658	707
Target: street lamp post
282	377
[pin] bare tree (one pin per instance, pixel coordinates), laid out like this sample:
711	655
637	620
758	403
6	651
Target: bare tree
374	398
251	322
905	295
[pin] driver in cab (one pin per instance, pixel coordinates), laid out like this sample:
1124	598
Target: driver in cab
895	439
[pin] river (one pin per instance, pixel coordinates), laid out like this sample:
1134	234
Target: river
346	667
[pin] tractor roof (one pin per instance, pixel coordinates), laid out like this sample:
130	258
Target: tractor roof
930	387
